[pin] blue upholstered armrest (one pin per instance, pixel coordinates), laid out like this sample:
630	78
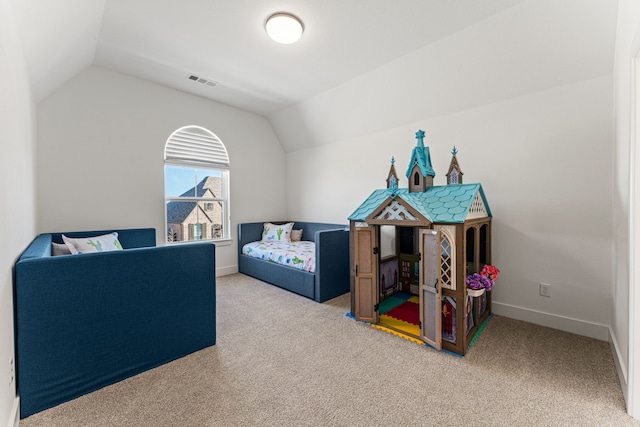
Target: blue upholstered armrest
249	232
332	263
39	248
129	238
310	229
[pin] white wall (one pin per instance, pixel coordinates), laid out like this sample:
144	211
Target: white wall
624	291
100	155
532	118
17	210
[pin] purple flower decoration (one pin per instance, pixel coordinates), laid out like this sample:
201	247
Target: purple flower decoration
477	281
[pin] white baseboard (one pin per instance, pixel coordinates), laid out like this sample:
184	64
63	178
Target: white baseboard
225	271
14	418
621	369
567	324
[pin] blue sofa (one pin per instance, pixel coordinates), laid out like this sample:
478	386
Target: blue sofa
89	320
331	277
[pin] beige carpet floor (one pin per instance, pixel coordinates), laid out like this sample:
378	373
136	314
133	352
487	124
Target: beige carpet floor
283	360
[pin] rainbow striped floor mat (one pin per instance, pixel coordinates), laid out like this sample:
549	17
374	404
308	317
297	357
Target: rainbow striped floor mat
401	312
400	316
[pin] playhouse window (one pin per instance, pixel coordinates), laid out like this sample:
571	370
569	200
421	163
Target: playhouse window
484	244
387	241
446	264
471	250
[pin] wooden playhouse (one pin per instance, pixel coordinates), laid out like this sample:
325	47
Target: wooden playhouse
432	237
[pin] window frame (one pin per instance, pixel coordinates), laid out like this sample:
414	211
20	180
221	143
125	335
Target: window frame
190	161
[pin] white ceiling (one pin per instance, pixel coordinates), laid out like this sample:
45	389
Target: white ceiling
163	41
225	41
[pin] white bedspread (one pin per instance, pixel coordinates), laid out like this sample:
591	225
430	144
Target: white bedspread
300	255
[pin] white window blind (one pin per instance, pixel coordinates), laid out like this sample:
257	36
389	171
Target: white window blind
196	145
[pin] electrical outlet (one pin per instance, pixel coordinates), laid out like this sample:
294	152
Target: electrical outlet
545	290
12	371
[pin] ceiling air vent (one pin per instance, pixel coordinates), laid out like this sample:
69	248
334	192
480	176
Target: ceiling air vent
202	80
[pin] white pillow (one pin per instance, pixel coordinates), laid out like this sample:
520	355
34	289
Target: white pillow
104	243
59	249
272	232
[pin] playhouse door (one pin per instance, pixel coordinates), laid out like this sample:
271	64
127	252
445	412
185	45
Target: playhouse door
430	289
366	274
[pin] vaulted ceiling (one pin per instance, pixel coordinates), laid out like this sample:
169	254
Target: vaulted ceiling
164	41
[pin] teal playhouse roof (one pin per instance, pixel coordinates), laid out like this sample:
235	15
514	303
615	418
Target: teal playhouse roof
451	203
439	204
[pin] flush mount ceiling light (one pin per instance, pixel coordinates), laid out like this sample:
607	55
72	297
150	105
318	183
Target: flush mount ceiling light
284	27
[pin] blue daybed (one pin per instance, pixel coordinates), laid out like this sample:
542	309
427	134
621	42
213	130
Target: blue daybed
331	276
89	320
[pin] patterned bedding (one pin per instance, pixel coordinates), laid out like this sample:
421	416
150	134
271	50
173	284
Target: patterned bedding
300	255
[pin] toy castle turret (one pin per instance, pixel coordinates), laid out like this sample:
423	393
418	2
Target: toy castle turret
420	172
454	175
392	179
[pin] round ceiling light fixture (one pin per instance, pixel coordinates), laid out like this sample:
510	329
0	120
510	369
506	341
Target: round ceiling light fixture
284	27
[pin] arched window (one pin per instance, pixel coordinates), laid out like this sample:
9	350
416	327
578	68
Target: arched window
453	178
416	179
196	178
